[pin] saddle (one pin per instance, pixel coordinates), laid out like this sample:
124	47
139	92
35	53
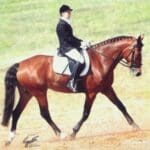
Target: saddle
62	65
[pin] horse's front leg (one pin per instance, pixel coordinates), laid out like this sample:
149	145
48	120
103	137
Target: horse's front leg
87	108
115	100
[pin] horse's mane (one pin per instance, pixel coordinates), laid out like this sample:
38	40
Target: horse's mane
112	40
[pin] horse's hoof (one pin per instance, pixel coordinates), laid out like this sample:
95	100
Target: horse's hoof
10	138
135	126
7	143
72	136
63	136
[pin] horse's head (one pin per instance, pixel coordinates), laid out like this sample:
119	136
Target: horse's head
133	56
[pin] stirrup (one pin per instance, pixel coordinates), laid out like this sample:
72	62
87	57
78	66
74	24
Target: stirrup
71	86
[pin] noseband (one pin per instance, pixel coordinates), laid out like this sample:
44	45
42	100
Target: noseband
132	65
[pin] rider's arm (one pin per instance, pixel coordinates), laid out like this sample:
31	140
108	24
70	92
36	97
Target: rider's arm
77	38
68	36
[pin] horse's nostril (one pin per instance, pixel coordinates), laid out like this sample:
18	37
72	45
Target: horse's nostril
138	74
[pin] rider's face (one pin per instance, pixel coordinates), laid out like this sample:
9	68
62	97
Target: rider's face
67	14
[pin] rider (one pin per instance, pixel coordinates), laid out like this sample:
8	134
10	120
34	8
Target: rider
70	46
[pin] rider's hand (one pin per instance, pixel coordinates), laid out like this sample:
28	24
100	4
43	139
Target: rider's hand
88	43
85	44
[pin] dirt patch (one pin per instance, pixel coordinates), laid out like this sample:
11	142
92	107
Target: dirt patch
106	128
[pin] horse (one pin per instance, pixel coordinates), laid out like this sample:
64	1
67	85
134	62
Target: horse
35	75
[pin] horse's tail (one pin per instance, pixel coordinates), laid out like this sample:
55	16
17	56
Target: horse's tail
10	86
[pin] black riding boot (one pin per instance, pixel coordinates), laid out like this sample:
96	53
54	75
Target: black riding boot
75	75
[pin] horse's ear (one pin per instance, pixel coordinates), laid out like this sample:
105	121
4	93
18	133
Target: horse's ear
141	37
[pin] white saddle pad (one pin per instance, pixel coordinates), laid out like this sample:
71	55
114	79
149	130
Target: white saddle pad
60	64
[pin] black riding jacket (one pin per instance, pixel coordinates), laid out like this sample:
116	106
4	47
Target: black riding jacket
67	40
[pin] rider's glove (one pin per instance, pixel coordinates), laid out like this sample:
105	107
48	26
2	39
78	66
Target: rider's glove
85	44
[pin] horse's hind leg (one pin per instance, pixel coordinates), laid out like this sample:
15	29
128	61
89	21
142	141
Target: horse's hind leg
115	100
43	104
23	100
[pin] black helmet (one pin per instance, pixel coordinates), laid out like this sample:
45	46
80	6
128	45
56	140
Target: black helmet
64	8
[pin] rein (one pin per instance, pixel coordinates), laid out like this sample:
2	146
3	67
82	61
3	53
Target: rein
123	62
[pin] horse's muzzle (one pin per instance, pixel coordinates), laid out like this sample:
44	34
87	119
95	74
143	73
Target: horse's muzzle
136	72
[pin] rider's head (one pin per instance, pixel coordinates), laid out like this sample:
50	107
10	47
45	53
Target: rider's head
65	11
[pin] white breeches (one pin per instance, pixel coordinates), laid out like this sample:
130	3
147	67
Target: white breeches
75	55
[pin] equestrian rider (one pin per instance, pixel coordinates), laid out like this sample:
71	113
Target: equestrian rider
70	46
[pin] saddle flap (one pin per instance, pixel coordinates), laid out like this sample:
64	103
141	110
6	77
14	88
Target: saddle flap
61	64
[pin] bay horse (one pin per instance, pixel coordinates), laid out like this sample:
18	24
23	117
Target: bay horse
34	76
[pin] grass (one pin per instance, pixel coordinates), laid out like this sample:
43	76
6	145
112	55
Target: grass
29	26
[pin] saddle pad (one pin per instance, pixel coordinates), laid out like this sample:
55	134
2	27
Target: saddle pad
61	64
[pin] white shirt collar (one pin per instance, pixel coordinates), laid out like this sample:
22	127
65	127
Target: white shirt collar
66	20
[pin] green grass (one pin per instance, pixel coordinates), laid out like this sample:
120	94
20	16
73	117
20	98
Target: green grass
27	27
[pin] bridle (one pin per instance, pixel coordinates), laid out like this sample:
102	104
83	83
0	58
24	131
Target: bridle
132	63
124	62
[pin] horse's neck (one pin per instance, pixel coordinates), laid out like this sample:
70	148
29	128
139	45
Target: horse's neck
109	57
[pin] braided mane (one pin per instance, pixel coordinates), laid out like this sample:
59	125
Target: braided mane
112	40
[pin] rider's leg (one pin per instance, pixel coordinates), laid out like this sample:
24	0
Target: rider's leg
75	55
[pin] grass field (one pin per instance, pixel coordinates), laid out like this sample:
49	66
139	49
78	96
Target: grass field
27	27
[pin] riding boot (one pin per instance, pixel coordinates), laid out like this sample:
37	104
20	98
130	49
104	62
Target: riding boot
75	75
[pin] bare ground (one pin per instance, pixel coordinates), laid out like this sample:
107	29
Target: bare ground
106	128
